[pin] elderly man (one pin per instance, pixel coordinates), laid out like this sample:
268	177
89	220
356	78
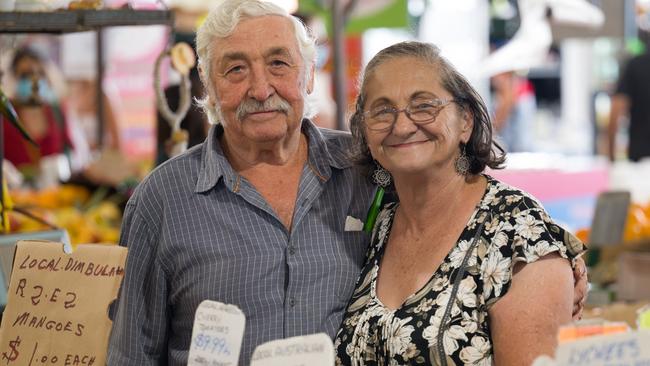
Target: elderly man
256	215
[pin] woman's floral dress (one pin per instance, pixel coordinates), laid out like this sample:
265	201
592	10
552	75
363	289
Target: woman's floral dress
513	228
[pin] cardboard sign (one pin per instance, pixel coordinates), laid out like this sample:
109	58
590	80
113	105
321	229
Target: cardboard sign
217	334
57	311
624	349
312	350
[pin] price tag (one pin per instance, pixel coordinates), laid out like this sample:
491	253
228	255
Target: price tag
312	350
608	350
57	312
217	334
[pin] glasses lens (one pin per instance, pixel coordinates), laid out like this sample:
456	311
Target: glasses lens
425	111
380	118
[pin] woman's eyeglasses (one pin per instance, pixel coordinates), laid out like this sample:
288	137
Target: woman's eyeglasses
421	112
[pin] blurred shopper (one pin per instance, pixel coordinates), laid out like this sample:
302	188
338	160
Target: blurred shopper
82	118
38	107
514	111
632	99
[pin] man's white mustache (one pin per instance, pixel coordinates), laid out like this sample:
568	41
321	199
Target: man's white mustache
274	103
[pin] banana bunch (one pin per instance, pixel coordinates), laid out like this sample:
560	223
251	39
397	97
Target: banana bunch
68	207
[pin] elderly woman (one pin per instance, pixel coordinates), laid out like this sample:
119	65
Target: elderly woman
463	269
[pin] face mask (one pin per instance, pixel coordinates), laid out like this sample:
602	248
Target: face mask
24	90
322	55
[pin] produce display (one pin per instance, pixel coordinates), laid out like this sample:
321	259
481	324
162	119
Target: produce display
88	218
637	224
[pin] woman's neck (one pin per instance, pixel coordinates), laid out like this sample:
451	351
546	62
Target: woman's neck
424	202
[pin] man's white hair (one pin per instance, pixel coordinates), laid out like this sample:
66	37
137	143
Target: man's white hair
221	22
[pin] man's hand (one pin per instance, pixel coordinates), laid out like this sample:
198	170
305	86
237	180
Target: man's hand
579	288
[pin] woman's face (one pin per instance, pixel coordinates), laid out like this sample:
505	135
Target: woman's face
409	147
29	68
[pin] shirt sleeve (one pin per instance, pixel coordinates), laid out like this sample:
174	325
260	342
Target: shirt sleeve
525	235
140	328
534	235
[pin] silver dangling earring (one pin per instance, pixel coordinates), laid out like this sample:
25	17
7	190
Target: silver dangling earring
381	176
462	163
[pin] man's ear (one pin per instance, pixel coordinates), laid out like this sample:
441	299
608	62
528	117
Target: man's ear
205	80
201	72
310	82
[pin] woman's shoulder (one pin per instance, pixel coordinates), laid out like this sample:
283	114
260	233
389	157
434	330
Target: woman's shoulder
502	197
521	217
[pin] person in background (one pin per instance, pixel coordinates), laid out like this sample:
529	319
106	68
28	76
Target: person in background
514	111
38	107
81	110
632	99
463	269
264	214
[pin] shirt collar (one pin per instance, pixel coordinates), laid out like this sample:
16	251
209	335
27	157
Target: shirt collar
326	151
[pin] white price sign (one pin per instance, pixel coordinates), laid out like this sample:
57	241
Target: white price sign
217	334
312	350
625	349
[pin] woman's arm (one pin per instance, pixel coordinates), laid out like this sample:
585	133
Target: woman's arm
525	321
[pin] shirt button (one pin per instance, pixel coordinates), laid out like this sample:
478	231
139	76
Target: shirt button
292	250
292	302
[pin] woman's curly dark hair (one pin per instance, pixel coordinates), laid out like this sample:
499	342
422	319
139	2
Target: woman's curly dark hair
481	149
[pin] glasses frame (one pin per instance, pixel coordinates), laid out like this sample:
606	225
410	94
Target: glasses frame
443	102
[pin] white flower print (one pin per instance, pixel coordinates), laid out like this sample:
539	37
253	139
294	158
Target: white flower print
430	333
424	306
528	227
470	322
563	249
352	321
496	273
411	352
349	349
397	335
466	293
451	337
383	230
510	199
442	299
458	254
490	197
439	283
542	248
506	227
516	229
478	353
500	239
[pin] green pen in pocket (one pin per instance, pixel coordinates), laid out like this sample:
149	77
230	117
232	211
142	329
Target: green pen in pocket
373	211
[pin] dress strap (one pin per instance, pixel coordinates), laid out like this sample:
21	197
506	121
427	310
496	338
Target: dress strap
454	290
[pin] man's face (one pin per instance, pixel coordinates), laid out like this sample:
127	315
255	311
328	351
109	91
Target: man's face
259	80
